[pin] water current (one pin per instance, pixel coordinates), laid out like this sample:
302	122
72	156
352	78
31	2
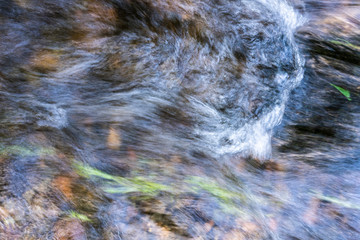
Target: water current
185	119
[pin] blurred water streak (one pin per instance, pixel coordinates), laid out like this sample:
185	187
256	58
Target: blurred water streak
193	119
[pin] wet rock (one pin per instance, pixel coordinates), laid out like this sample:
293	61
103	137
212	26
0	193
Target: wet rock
64	184
274	166
176	159
8	225
93	19
311	214
201	230
273	224
113	139
250	227
40	204
131	155
45	61
129	223
16	208
234	235
69	229
23	3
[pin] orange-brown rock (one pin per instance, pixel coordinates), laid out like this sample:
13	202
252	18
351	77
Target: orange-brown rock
113	139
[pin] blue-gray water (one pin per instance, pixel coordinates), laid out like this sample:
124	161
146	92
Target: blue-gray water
193	119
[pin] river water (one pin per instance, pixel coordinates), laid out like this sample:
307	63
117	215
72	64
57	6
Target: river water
192	119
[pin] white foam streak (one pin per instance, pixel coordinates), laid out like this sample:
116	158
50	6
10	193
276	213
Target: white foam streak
254	138
291	18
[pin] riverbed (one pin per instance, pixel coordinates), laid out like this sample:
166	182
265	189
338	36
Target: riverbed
188	119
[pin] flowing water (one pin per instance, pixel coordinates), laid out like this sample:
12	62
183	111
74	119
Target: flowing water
191	119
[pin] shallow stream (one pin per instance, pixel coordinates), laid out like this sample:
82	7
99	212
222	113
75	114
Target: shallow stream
191	119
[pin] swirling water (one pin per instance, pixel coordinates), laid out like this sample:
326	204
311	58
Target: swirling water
179	119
